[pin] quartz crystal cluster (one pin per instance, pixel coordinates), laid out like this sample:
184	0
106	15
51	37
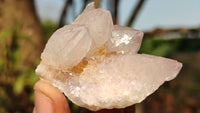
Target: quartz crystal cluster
96	65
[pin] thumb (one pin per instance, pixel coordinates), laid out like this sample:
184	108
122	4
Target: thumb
49	99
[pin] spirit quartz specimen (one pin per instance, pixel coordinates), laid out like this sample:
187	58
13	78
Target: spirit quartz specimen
96	65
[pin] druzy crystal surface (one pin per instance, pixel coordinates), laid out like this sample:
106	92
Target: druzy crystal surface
96	65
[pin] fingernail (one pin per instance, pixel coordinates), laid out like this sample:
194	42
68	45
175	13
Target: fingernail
43	103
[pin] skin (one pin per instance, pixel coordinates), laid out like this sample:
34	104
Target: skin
49	99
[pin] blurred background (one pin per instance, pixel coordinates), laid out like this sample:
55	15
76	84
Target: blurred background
171	28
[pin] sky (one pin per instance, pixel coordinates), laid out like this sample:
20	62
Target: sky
154	14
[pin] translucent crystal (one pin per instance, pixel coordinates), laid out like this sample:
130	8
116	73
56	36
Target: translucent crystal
120	81
97	67
67	46
99	23
125	40
89	7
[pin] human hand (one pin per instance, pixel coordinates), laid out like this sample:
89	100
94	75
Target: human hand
48	99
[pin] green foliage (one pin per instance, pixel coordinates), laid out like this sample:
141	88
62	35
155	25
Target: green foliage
10	39
32	97
19	84
48	28
159	46
16	79
27	78
198	111
5	33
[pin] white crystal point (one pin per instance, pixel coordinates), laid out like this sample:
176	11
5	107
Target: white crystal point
67	46
99	23
121	81
125	40
89	7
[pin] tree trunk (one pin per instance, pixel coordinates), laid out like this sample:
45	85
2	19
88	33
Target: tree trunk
21	42
18	17
135	13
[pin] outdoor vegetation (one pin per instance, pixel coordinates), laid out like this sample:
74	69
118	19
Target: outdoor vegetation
23	36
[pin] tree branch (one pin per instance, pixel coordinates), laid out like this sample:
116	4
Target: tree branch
116	12
135	13
64	13
84	5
